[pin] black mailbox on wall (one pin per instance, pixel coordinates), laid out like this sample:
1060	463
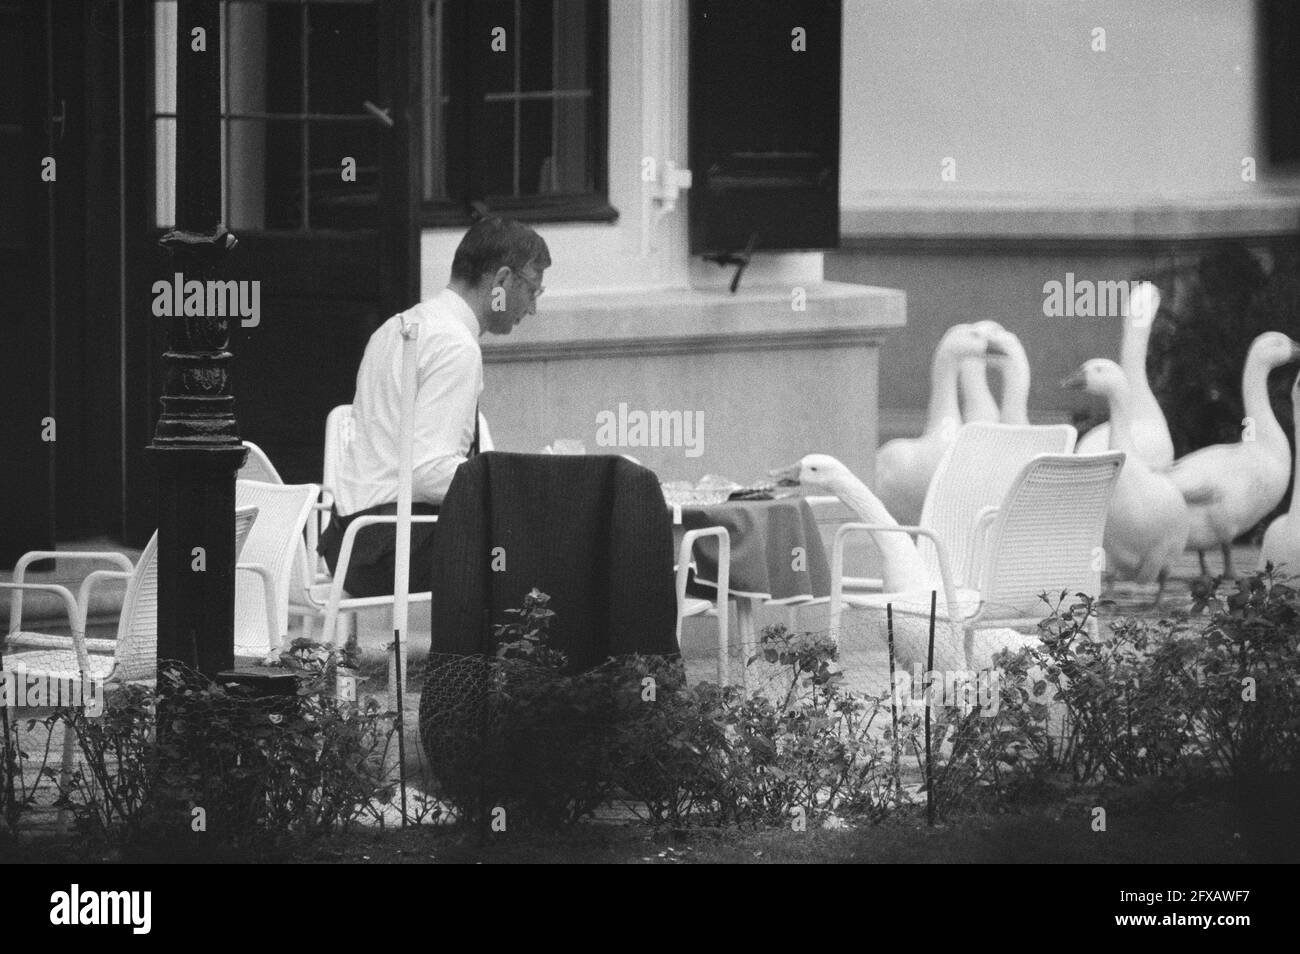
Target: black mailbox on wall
764	124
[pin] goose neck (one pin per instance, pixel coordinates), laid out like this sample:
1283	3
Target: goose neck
1254	395
975	392
1121	420
943	391
1015	388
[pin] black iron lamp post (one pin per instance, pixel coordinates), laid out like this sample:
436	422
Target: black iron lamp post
196	443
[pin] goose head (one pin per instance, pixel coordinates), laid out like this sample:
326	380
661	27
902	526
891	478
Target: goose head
1273	349
1098	376
818	470
1143	305
1002	343
825	472
968	341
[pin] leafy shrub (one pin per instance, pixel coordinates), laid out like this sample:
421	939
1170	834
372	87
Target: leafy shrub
254	770
1244	687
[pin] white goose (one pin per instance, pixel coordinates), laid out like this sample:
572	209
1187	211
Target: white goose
1149	430
904	466
1148	522
977	402
1230	487
904	571
1282	539
1012	362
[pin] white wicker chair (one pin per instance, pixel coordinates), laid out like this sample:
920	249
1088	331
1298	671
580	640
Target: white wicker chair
128	658
1045	537
133	653
258	466
692	606
276	554
974	473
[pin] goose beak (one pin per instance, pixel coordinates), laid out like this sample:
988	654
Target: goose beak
1075	381
786	476
995	349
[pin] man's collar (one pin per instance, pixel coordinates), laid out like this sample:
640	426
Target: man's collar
461	309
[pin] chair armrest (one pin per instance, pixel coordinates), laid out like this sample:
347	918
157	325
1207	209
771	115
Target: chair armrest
837	563
978	540
268	597
75	617
90	582
120	560
345	558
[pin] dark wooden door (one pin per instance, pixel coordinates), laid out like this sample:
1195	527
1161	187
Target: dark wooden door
320	176
27	420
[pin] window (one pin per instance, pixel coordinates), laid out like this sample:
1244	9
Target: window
515	98
296	80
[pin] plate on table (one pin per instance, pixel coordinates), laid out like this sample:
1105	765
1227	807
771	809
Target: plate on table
684	494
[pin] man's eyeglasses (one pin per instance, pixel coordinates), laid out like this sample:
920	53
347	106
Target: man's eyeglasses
534	288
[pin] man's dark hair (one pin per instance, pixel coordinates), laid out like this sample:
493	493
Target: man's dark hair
493	242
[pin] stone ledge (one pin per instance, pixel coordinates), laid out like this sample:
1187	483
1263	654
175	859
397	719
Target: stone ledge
692	320
929	216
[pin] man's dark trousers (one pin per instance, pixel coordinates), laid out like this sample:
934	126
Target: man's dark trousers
374	552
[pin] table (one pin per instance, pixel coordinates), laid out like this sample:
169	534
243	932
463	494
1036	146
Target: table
776	556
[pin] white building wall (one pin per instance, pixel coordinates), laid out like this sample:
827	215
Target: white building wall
1013	91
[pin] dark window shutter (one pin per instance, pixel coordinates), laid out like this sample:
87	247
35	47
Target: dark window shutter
764	125
1281	75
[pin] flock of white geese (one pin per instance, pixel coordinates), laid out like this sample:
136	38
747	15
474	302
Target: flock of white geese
1161	506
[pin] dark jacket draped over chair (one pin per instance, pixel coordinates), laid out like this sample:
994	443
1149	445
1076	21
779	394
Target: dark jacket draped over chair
592	532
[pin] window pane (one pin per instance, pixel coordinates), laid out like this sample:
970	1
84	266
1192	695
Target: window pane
498	67
573	173
336	204
245	173
535	135
536	45
497	152
284	58
571	40
164	173
284	185
246	58
342	56
164	57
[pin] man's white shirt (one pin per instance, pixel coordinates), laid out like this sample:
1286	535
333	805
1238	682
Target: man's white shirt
451	380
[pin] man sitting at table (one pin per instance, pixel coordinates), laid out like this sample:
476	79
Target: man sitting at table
496	279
